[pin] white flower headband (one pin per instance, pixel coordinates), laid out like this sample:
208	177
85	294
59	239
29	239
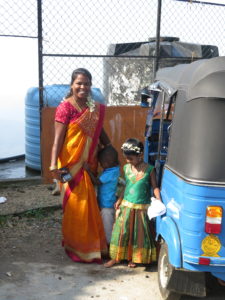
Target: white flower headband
129	147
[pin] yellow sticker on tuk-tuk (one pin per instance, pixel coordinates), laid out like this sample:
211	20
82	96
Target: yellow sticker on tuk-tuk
211	245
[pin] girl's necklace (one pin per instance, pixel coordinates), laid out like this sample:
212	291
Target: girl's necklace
138	172
138	168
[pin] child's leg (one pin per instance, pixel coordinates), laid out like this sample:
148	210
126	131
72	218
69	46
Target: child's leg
108	215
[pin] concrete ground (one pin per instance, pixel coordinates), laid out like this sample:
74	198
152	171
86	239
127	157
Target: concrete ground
33	265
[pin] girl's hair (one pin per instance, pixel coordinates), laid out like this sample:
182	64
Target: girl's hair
74	75
132	147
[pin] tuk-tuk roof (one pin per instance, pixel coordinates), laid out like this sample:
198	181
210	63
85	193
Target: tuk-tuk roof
202	78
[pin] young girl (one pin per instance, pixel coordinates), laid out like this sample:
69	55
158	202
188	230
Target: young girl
131	237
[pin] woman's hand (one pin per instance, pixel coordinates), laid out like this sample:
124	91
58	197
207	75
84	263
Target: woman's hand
57	173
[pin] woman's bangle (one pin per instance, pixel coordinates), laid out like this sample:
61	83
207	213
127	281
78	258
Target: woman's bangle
52	168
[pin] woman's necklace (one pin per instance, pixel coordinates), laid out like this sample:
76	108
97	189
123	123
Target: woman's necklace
79	106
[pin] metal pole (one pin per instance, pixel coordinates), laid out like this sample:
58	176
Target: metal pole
40	54
40	67
161	126
157	44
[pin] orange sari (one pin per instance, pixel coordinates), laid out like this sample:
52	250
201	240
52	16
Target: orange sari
82	228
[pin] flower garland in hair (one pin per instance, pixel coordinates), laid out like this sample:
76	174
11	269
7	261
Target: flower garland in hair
129	147
91	104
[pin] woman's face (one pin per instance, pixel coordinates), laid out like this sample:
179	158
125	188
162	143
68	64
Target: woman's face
81	87
134	160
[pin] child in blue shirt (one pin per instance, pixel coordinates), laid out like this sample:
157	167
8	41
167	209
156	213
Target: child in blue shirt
107	186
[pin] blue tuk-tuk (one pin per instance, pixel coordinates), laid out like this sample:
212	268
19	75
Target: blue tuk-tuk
185	140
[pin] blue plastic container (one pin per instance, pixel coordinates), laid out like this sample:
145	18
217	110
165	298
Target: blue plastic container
53	95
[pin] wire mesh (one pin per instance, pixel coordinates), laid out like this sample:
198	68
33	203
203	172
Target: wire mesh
115	39
18	18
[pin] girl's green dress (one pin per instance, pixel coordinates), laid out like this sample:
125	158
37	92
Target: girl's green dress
132	236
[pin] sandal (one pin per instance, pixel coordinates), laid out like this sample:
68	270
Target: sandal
132	265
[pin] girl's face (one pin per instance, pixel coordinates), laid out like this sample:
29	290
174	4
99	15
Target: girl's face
81	87
134	160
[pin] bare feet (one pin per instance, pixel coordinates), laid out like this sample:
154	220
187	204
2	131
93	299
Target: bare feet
132	265
110	263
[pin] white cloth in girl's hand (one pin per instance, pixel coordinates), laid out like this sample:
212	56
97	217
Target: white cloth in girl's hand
157	208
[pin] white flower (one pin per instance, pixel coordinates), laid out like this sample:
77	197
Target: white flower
91	104
129	147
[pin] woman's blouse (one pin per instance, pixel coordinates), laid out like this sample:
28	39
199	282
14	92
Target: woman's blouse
138	190
66	112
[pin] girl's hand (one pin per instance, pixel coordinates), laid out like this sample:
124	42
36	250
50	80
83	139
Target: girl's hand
156	192
117	204
155	199
117	213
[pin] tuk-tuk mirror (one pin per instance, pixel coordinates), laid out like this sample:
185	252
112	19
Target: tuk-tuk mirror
145	98
148	97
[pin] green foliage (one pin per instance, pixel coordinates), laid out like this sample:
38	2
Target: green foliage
30	215
4	220
38	213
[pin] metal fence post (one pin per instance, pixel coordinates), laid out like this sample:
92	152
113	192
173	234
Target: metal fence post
40	58
157	44
40	66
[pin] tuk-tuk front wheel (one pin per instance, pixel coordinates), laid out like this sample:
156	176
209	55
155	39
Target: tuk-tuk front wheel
165	271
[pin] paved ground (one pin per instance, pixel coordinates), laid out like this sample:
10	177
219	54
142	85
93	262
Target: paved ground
33	265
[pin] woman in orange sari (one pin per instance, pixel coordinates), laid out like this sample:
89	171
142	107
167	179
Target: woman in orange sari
78	131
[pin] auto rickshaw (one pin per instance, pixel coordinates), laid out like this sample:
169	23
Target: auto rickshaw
185	140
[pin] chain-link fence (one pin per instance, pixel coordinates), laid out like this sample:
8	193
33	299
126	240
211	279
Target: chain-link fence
121	42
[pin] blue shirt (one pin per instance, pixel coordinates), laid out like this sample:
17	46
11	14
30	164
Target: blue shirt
107	188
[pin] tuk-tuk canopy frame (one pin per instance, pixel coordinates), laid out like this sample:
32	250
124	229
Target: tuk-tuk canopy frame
197	137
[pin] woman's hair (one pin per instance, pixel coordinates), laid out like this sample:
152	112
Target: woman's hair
110	155
79	71
132	147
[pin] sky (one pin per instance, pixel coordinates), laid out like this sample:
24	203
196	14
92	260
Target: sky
18	72
19	57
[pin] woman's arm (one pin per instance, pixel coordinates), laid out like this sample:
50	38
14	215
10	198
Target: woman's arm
60	131
104	139
94	179
153	182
